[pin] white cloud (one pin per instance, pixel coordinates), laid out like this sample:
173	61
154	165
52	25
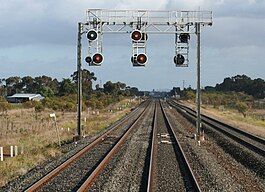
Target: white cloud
236	38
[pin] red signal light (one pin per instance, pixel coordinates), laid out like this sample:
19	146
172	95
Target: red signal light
141	59
136	35
97	58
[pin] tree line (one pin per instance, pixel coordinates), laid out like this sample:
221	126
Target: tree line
61	95
49	87
241	83
238	92
237	84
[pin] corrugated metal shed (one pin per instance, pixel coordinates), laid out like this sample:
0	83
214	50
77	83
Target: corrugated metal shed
22	97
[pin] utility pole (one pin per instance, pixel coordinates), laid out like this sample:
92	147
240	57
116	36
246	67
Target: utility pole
198	93
79	81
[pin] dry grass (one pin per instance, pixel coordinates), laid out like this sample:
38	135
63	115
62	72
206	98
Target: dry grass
36	133
252	123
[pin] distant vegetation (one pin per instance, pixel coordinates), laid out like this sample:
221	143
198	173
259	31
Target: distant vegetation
238	92
61	95
241	83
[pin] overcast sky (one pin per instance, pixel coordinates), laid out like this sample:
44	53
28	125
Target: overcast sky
38	37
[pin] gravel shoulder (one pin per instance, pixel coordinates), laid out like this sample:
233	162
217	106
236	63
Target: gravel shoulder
220	164
224	116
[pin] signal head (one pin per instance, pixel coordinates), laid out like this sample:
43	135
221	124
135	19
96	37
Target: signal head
136	35
179	59
92	35
88	59
144	37
184	37
134	59
97	59
141	59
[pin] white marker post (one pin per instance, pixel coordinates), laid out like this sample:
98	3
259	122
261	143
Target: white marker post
52	115
11	151
16	150
1	154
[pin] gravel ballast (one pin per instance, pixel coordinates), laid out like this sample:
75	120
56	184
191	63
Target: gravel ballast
169	175
125	170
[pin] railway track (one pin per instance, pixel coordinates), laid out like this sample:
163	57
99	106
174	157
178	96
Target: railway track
252	142
81	169
169	169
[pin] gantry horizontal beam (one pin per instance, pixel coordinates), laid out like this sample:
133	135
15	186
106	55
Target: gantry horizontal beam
148	17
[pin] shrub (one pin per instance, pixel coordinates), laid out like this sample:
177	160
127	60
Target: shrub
4	105
29	104
39	108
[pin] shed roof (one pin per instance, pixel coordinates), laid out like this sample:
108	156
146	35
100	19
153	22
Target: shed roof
25	95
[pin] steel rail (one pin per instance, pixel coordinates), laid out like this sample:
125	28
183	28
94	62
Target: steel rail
88	182
150	184
37	185
254	143
190	173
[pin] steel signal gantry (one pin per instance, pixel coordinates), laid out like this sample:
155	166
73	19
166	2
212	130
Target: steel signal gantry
140	23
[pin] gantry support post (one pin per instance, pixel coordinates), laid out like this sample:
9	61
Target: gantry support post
79	81
198	92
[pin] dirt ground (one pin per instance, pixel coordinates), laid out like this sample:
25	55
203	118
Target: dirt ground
232	117
35	134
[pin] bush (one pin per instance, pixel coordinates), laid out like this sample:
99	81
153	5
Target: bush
39	108
4	105
29	104
65	103
190	95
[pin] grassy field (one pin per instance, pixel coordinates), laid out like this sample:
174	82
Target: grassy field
253	122
36	134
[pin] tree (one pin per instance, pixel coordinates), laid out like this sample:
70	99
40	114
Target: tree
29	85
243	83
67	87
257	89
13	85
241	107
2	88
133	91
174	91
46	92
87	78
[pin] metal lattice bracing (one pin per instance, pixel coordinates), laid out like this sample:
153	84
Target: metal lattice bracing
148	22
123	21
